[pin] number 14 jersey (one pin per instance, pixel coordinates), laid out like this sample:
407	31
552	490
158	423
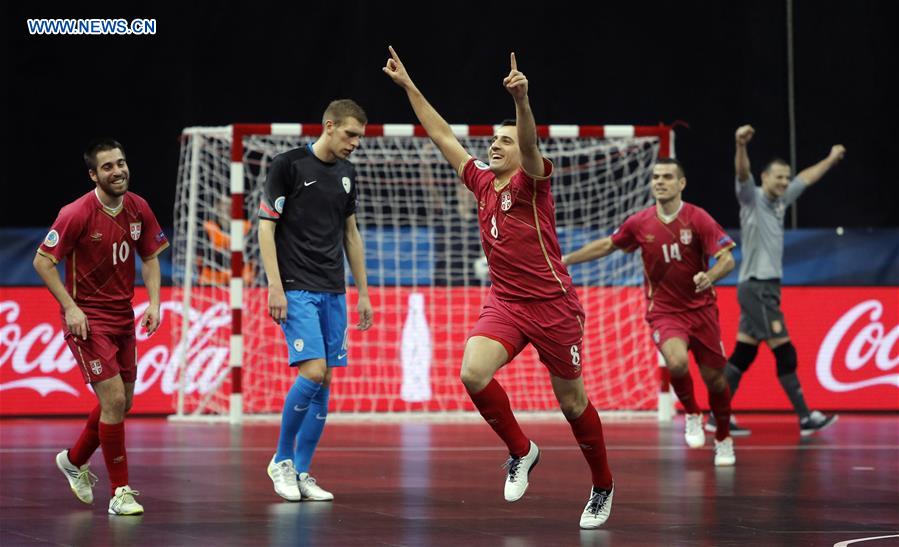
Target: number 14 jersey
673	253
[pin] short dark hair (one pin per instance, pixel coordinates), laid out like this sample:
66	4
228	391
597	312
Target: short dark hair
507	122
673	161
99	145
344	108
774	161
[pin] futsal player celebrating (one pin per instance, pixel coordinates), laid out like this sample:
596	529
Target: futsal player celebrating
531	299
677	240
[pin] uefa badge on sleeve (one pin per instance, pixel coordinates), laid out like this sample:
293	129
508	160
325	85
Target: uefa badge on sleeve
135	231
346	184
686	236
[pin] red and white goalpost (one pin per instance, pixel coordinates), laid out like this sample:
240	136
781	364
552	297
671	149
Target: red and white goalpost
426	273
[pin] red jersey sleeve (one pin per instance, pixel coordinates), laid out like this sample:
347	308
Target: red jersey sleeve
713	237
547	171
624	238
152	239
473	172
63	235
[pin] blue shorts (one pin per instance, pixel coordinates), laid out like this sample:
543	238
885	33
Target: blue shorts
316	327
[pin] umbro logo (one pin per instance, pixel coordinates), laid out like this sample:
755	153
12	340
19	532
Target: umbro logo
309	183
96	236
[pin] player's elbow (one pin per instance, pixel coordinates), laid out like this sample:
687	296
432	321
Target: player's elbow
727	263
40	263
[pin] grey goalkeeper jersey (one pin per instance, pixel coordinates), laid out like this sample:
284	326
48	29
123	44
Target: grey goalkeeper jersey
762	228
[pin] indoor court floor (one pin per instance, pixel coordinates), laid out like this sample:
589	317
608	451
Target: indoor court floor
423	484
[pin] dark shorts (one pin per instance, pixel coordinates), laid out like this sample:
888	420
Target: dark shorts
103	356
554	327
760	314
699	328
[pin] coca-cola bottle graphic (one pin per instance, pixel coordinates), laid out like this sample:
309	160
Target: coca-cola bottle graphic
416	353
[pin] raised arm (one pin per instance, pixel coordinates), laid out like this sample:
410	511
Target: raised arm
591	251
517	85
438	130
811	175
741	159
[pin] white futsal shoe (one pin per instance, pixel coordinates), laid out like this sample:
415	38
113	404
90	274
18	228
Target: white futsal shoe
724	453
693	432
519	471
81	480
311	491
123	502
284	477
598	508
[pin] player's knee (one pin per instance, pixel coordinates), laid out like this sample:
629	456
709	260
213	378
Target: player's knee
785	359
678	365
743	355
573	406
473	379
314	370
113	406
714	379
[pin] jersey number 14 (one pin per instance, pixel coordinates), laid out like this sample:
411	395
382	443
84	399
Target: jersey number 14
671	252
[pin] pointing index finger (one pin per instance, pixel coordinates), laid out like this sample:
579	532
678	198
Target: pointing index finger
393	53
514	63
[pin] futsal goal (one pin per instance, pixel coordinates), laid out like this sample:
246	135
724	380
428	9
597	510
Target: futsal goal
427	274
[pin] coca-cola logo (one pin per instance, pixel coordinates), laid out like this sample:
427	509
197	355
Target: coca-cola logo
872	343
42	360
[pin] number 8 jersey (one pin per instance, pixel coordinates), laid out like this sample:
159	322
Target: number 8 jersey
673	253
99	246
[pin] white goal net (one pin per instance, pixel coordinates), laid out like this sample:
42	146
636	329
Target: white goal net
426	273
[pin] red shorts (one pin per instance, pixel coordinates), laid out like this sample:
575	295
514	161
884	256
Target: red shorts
699	328
103	356
554	327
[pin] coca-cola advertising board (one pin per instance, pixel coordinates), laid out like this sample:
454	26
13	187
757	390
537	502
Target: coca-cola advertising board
847	340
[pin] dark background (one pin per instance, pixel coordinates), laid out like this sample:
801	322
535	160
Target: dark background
713	65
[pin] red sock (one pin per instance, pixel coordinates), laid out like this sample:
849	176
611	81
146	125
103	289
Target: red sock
89	440
493	404
587	429
683	387
112	439
720	403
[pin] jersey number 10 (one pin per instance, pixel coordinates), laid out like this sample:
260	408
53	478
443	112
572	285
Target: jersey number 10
121	251
671	252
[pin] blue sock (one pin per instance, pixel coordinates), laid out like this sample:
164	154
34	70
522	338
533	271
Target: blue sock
296	405
311	432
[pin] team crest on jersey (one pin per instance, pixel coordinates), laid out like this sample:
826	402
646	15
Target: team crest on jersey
96	367
135	231
686	236
779	209
346	184
506	201
481	165
298	344
52	238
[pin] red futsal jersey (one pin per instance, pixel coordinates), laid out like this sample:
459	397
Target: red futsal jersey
99	247
518	232
672	254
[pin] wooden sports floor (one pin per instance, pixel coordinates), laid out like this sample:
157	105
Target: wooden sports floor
420	484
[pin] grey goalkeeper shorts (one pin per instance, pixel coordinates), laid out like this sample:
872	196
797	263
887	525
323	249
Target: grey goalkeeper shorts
760	313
